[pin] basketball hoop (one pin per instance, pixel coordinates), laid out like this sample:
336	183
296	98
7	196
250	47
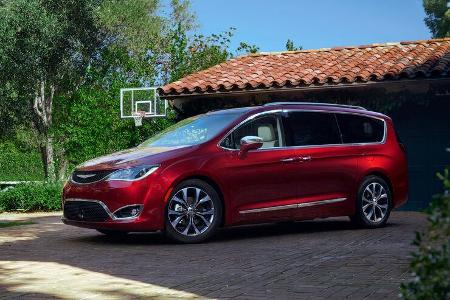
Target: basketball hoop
138	116
135	101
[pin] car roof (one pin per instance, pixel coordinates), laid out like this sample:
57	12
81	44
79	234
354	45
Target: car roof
300	106
238	110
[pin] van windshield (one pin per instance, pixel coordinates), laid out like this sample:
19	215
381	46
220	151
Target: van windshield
192	131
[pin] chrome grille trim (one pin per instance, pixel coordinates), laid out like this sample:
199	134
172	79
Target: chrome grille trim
88	177
110	214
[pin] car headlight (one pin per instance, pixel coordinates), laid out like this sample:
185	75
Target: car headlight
132	174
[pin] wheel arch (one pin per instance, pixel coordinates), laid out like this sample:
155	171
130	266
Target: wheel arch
383	176
212	183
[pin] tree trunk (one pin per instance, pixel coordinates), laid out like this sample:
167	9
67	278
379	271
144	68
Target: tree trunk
63	166
42	105
50	162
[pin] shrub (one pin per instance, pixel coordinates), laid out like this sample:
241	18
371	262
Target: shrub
32	197
19	162
430	265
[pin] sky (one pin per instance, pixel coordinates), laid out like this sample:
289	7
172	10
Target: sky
313	24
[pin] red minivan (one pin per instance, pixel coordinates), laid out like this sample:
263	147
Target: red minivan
271	163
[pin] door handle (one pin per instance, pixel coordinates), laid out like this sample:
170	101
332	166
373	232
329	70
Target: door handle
305	158
288	160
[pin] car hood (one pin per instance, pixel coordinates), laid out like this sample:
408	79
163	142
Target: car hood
133	157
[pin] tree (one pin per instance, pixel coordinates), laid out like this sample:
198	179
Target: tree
45	48
62	63
290	46
187	55
247	48
138	51
438	17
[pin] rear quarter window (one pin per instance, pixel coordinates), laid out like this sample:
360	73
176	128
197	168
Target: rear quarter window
360	129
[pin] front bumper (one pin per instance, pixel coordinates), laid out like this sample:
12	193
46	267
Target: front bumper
113	196
95	214
96	211
130	226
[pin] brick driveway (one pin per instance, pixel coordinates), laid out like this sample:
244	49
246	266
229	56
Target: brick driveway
305	260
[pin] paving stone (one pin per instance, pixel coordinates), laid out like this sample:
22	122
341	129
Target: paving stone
323	259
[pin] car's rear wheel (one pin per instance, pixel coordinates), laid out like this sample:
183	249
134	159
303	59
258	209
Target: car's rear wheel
374	203
193	212
109	232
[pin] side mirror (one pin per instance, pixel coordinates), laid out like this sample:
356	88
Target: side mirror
249	143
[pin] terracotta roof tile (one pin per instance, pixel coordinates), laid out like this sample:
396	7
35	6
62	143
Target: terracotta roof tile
328	66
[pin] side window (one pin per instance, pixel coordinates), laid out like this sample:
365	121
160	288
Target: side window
311	128
267	127
360	129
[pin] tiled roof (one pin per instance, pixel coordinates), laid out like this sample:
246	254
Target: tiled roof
331	66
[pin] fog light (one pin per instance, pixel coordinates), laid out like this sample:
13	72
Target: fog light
130	211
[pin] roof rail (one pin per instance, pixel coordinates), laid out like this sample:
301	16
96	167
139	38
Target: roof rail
315	104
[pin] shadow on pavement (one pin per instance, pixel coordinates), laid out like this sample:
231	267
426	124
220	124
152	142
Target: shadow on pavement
287	260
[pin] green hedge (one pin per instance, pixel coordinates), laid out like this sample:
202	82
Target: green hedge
32	197
18	162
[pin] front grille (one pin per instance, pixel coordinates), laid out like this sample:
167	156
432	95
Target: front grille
85	211
89	176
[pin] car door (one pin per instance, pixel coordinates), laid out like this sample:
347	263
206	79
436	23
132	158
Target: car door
325	166
261	185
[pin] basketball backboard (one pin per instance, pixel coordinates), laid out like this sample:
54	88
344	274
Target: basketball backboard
144	102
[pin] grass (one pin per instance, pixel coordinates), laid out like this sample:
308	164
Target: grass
15	223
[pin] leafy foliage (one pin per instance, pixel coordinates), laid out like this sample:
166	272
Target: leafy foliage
19	162
247	48
188	56
89	124
46	46
74	56
438	17
133	25
291	47
45	40
32	197
431	262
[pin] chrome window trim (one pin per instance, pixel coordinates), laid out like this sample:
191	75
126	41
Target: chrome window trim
249	118
111	215
290	206
383	141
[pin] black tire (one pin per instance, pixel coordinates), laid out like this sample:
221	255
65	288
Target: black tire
112	233
363	216
209	230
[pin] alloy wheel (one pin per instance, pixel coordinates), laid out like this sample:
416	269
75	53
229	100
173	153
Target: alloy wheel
375	202
191	211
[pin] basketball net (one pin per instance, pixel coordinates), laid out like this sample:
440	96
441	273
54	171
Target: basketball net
138	116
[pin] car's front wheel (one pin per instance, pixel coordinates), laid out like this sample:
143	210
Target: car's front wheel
374	203
193	212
